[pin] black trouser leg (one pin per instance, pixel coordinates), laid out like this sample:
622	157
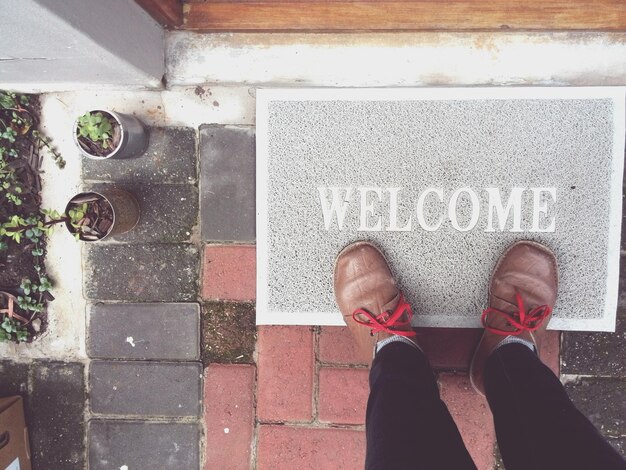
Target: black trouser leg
407	424
537	425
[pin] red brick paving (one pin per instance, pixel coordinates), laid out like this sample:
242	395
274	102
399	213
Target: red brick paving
472	416
286	372
229	272
337	346
449	348
343	395
229	416
286	388
288	448
550	350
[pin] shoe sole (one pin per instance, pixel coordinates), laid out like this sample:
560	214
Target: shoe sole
534	244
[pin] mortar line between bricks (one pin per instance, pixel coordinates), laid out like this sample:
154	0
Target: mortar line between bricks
144	418
87	410
316	373
254	444
196	231
314	425
164	183
152	361
342	365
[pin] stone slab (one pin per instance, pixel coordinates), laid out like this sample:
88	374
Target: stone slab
54	405
170	158
141	273
593	353
140	444
57	415
602	401
144	331
227	169
14	379
145	388
168	212
384	143
620	444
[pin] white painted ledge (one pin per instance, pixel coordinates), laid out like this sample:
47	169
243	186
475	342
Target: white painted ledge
396	59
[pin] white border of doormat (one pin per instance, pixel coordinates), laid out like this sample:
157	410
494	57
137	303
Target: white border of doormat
264	96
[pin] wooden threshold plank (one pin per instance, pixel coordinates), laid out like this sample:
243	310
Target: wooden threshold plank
415	15
168	13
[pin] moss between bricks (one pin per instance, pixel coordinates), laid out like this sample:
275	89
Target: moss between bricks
228	332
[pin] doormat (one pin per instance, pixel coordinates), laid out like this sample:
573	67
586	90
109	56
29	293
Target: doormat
442	180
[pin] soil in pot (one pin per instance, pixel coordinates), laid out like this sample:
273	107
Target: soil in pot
99	148
97	218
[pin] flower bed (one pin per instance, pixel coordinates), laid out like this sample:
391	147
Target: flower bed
24	285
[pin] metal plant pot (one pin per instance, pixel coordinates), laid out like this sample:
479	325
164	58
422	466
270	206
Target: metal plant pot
123	205
133	140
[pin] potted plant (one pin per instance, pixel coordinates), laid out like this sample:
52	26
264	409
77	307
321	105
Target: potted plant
101	134
96	215
89	216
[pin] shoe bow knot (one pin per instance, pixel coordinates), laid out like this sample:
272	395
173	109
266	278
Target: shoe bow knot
385	321
520	320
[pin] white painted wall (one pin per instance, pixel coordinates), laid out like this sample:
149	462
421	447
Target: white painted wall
48	45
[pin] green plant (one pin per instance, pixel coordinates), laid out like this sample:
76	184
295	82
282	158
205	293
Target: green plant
21	222
15	120
10	330
35	227
96	127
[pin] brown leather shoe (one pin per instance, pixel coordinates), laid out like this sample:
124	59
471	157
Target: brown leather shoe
522	294
368	297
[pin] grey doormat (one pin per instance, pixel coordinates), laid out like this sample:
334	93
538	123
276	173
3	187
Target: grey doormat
442	180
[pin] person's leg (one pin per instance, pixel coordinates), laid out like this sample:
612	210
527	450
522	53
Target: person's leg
407	424
537	425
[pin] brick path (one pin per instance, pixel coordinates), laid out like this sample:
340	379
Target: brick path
179	377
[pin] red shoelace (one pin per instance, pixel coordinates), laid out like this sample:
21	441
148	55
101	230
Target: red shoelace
519	320
384	321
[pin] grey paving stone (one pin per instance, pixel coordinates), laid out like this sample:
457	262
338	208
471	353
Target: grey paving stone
602	401
141	273
140	445
57	415
592	353
170	158
227	183
144	331
14	379
621	298
620	444
146	388
169	212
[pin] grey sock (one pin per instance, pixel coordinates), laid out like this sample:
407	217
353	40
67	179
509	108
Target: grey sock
515	339
392	339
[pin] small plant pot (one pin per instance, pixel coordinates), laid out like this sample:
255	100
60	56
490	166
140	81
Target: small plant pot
111	212
130	137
